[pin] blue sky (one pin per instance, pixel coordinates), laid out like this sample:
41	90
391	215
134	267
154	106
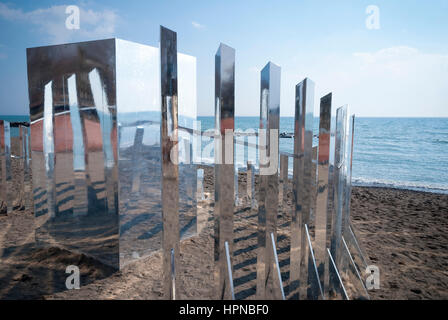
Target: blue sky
399	69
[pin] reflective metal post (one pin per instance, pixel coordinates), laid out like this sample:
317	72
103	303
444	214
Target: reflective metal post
323	162
268	188
339	182
48	146
20	179
26	169
349	158
347	188
303	143
5	153
224	166
170	178
313	188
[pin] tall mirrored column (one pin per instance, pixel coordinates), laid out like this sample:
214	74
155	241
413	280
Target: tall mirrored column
349	158
357	252
312	222
224	166
323	162
20	178
340	174
48	144
27	169
170	170
303	143
267	284
6	177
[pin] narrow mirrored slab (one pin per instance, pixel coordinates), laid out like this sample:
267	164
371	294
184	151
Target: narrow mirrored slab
224	166
336	290
340	175
348	153
27	183
170	160
313	192
323	174
3	206
357	289
357	254
9	182
95	108
19	177
349	160
330	203
268	187
48	128
302	166
314	289
5	157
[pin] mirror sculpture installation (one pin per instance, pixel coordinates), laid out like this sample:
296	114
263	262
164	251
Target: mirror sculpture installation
113	151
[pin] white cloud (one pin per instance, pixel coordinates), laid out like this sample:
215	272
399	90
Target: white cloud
397	81
197	25
51	22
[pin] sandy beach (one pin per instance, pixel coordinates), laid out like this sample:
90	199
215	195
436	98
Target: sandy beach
403	232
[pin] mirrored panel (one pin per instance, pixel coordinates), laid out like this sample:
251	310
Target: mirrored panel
95	147
224	166
267	284
5	167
